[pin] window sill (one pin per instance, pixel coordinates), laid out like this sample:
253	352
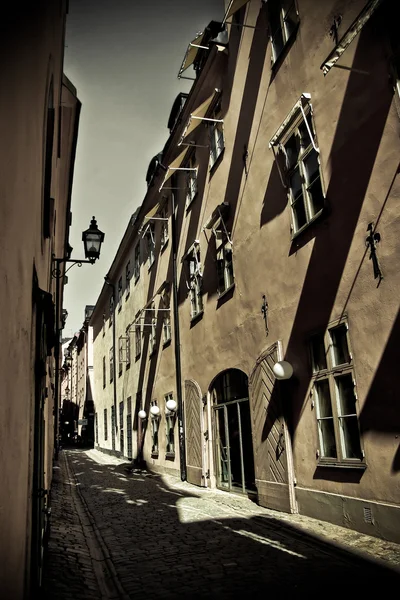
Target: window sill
359	465
127	296
154	454
225	292
137	279
196	317
167	343
170	455
152	353
151	265
321	213
128	366
137	357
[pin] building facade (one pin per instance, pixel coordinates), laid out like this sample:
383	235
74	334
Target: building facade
40	114
270	230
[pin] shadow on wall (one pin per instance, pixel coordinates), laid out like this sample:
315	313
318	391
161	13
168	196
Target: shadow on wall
381	410
365	108
179	544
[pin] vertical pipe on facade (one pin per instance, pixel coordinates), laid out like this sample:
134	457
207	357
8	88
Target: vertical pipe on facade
177	344
114	361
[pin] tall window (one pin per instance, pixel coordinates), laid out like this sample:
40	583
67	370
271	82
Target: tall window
121	427
153	329
136	265
96	428
127	278
195	282
170	418
165	305
224	260
113	427
335	395
105	425
138	340
151	244
217	142
128	348
164	224
104	323
283	20
300	160
104	372
191	180
48	164
111	354
111	309
155	423
120	353
119	293
129	427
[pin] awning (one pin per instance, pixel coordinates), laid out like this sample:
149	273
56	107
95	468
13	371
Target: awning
152	212
174	166
233	7
350	34
198	115
191	52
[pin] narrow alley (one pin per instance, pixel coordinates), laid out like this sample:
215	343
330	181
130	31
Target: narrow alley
121	534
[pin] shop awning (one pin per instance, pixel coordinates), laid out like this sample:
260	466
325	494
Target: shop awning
233	7
192	51
175	165
350	34
152	212
199	115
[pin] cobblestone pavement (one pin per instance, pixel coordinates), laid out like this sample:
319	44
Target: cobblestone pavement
157	537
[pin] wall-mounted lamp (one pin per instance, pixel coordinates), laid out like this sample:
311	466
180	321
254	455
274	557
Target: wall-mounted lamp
283	369
154	410
142	415
171	405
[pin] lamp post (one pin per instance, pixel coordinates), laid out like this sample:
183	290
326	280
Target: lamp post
92	240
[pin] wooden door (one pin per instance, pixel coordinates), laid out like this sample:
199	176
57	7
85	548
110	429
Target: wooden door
271	440
195	439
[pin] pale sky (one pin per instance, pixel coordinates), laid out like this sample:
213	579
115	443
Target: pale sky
123	57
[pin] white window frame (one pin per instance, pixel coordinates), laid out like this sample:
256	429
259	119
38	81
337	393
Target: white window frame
191	179
300	124
283	29
155	427
153	330
151	244
164	234
127	279
120	293
223	246
170	420
138	339
136	264
111	361
216	137
332	374
195	281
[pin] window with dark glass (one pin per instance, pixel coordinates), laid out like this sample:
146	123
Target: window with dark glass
283	20
335	397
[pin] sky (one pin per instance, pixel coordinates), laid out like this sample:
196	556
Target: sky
123	56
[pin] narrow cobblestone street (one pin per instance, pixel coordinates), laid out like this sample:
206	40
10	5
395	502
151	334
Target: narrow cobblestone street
117	534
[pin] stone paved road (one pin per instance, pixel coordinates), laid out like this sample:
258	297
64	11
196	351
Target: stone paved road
159	538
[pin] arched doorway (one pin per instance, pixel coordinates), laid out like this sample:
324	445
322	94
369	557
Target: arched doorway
234	459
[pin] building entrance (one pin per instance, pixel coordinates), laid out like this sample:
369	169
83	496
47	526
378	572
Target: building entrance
234	458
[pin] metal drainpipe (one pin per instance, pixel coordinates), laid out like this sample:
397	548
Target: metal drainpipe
114	359
177	344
